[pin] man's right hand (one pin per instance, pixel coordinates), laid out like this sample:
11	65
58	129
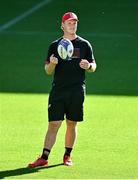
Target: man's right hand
53	59
50	68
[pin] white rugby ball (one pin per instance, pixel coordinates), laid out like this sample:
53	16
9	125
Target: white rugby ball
65	48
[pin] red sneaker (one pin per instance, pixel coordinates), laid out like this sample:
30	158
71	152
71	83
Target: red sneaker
67	160
39	162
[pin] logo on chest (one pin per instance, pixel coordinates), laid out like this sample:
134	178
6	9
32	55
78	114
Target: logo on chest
76	53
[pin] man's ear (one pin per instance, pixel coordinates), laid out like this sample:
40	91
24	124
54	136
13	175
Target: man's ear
62	25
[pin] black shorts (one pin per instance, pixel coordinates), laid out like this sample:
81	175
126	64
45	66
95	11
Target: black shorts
69	104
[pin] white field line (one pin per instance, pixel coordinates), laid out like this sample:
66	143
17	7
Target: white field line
118	35
24	15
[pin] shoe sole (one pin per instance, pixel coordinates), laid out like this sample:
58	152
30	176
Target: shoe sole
45	165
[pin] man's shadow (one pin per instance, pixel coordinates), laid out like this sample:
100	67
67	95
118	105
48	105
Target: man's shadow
25	170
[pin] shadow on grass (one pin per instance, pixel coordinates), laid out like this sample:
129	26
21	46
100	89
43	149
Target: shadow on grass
25	170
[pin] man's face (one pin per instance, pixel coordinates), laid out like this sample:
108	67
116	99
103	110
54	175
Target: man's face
70	26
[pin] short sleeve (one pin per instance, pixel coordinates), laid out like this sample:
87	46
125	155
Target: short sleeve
50	52
90	55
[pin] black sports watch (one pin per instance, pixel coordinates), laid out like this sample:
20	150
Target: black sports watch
90	66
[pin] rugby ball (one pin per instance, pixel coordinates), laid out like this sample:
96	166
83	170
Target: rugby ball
65	49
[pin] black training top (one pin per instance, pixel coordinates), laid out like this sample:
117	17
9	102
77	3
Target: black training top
68	74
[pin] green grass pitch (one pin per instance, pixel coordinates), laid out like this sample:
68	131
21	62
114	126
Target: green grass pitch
106	145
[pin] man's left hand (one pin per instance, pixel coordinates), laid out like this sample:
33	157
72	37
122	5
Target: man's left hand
84	64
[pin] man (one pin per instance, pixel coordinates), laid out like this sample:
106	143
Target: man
68	89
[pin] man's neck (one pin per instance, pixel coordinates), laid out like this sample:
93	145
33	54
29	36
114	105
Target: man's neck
70	36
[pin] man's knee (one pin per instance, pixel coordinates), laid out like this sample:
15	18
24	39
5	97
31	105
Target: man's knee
71	124
54	125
